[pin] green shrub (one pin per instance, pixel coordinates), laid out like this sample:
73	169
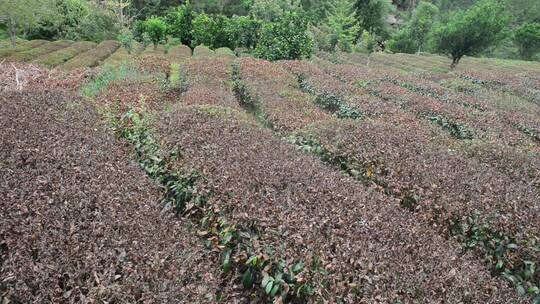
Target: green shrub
202	51
3	32
179	23
225	52
367	43
21	47
402	42
156	28
126	40
210	30
242	31
40	50
527	39
285	39
321	38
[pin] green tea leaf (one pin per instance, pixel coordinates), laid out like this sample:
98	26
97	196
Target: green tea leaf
248	278
269	287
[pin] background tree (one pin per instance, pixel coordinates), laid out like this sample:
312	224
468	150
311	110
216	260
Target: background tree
156	28
372	16
367	43
205	30
285	39
342	25
527	38
413	37
179	21
243	31
75	20
317	11
21	16
272	10
223	7
470	32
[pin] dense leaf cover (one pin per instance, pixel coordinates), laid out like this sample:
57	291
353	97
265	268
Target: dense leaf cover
352	178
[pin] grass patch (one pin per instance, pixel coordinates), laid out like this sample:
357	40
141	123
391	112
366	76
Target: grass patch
178	78
108	74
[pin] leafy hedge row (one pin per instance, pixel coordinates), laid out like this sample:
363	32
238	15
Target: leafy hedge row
43	49
460	122
59	57
324	84
208	82
25	46
507	82
93	57
178	53
355	241
277	94
79	219
400	160
236	243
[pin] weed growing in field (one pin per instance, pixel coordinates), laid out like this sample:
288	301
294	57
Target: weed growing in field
177	78
534	134
455	129
362	84
501	253
363	173
180	190
107	75
330	102
278	281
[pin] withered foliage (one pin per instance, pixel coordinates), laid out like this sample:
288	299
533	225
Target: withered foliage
267	88
408	175
80	221
28	77
208	82
369	248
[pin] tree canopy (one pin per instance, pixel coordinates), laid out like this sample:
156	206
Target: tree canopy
527	38
468	32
